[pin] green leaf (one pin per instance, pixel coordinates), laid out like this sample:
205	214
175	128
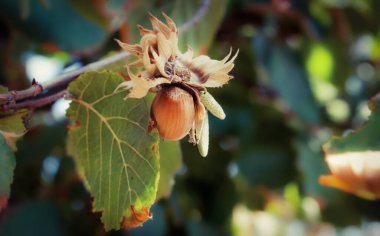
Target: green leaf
12	128
7	165
170	163
293	197
290	80
113	151
57	22
201	35
95	12
365	139
311	165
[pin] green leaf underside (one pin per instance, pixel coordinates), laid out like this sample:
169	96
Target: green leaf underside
7	165
170	163
113	151
365	139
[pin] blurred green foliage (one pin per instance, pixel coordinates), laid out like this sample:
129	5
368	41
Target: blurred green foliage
304	72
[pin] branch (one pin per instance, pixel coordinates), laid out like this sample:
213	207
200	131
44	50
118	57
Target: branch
61	80
193	21
9	100
40	102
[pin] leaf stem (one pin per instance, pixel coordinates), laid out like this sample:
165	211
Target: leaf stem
9	100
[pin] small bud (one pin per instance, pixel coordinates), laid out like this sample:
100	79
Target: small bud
173	111
204	137
212	105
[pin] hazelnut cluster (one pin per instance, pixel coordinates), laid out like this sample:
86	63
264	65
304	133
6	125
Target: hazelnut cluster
180	81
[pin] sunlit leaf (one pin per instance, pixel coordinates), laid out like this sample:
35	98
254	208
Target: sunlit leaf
12	128
113	151
320	63
293	197
320	67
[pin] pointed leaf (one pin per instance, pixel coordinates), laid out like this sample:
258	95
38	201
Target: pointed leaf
7	165
170	162
11	129
113	151
291	82
288	77
365	139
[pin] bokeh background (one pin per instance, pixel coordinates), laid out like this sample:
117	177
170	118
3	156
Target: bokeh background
305	72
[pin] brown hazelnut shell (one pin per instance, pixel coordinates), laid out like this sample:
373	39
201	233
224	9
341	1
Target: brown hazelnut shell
173	111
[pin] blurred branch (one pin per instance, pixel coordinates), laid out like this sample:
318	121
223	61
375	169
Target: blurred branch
341	25
281	8
12	97
204	5
9	100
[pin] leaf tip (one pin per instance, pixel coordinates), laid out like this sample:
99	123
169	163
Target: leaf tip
137	218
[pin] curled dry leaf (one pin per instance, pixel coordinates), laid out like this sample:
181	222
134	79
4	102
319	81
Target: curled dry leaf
180	80
137	218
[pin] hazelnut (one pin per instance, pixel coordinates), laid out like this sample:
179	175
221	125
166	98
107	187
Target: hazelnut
173	112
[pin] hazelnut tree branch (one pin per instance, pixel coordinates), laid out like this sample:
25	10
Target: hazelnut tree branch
196	18
64	79
34	103
9	101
